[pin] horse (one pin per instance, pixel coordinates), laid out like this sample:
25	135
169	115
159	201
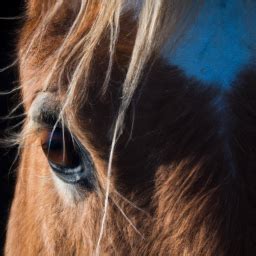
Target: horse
139	131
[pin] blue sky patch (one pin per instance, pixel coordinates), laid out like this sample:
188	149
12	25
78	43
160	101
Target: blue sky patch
219	43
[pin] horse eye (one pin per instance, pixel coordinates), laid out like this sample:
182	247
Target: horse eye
59	147
68	159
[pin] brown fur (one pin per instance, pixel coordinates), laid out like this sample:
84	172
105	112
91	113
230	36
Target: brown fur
169	166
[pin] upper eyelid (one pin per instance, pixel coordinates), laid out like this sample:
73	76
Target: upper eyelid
48	118
44	122
42	127
44	111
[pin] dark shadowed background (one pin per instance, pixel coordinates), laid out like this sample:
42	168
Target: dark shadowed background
9	29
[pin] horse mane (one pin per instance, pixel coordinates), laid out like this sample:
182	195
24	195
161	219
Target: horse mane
93	23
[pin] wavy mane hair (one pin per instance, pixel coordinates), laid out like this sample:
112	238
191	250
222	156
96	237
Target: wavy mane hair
161	182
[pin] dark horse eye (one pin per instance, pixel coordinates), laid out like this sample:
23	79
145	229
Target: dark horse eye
69	160
59	147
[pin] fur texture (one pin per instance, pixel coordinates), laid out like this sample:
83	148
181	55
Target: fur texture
172	189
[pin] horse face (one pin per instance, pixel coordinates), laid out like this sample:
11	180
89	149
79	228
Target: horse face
171	178
69	159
